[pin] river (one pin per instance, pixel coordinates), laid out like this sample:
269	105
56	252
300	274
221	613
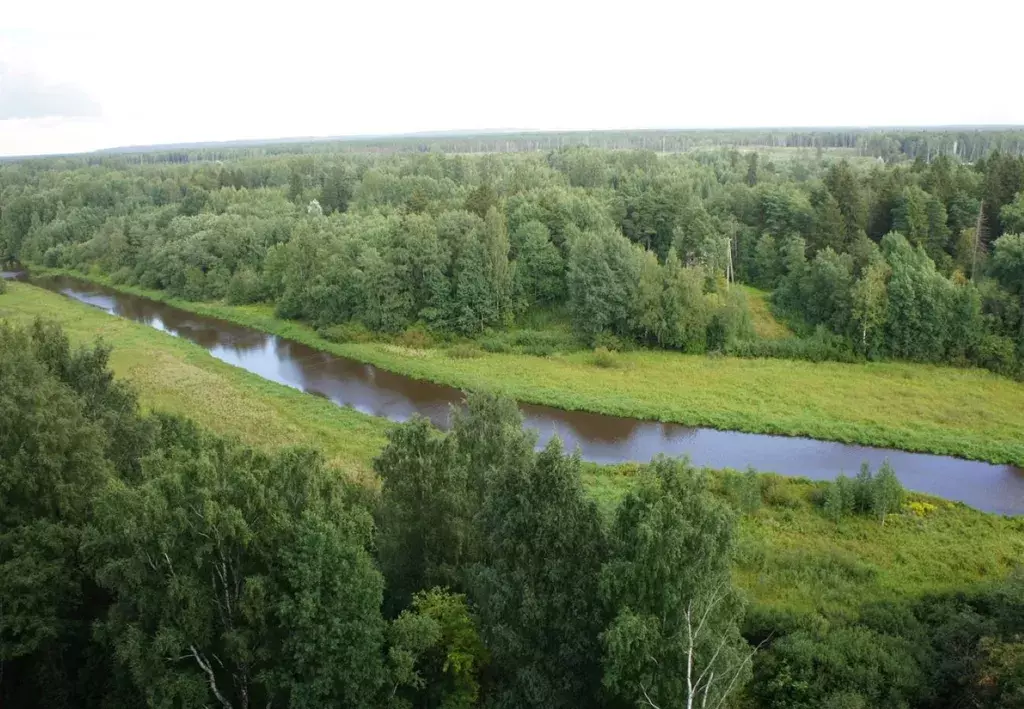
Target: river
600	438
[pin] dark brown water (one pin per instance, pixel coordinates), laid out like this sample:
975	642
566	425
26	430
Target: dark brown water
603	439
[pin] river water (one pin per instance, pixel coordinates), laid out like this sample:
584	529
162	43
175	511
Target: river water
600	438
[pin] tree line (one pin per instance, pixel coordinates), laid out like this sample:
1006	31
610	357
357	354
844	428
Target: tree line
892	145
921	260
145	561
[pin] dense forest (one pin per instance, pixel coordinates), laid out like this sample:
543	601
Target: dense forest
147	562
921	260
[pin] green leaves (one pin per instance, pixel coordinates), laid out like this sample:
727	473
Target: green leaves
674	638
436	651
244	573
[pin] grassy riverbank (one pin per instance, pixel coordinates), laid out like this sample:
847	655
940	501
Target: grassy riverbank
789	556
963	412
176	375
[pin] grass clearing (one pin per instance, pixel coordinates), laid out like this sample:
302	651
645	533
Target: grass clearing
766	326
968	413
788	556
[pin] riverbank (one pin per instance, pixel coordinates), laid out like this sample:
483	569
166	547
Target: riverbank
175	375
966	413
789	556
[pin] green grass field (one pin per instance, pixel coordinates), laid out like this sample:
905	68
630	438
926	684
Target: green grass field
789	556
926	408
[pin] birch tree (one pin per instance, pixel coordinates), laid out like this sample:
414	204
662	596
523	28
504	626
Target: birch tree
674	641
240	580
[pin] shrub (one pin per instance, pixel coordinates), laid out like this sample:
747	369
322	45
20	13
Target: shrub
494	344
997	354
3	286
605	358
539	343
921	509
743	490
415	337
244	287
123	276
776	492
840	498
346	332
878	494
822	346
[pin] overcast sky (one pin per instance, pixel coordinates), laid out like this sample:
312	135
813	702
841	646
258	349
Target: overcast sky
78	76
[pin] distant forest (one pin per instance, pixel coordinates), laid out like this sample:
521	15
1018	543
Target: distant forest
873	243
965	143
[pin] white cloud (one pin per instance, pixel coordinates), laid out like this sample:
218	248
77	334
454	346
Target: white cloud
222	70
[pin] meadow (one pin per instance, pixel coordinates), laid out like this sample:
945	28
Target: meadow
789	556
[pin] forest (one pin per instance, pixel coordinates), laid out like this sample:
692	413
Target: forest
187	535
147	561
917	259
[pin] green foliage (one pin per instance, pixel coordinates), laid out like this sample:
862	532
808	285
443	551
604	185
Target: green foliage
605	358
536	583
840	498
631	244
845	667
879	494
425	512
539	343
821	346
1012	215
674	638
436	652
743	490
240	574
56	426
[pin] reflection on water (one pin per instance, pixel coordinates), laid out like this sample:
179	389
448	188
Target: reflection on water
603	439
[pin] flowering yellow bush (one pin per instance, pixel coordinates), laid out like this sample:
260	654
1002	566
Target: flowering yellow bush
921	509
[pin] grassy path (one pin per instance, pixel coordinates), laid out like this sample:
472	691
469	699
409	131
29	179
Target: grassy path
788	557
964	412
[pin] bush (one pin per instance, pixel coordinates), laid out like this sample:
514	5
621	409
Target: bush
539	343
605	358
495	344
878	494
822	346
743	490
415	337
777	492
3	286
997	354
244	287
123	276
346	332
